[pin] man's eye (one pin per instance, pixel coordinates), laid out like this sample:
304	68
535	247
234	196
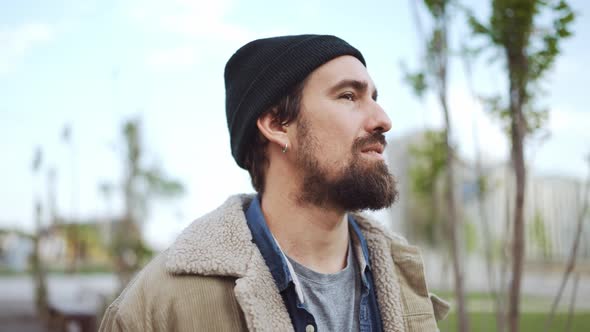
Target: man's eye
348	96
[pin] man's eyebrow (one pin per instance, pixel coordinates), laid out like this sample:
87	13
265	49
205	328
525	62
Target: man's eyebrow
359	86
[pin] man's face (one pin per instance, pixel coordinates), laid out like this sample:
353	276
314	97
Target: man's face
339	140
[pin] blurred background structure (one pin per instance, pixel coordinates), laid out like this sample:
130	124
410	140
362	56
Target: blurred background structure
114	139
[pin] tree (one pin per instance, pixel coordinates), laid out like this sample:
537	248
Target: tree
483	187
428	165
571	263
38	269
529	50
435	76
72	235
141	184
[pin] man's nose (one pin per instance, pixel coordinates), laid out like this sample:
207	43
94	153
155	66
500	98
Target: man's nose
379	119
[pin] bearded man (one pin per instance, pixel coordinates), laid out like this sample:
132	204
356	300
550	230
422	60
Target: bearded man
304	120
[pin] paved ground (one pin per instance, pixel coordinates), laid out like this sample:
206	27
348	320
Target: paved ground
541	283
88	291
77	293
21	325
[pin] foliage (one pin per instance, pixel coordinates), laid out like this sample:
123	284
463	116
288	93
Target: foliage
435	71
470	234
159	185
416	81
90	241
530	50
535	116
142	184
428	164
539	236
435	58
512	27
430	161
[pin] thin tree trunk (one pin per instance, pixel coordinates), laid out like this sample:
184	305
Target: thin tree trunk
40	282
437	62
452	223
570	315
488	237
574	252
517	94
441	64
504	260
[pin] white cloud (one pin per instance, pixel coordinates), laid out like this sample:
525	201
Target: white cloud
16	42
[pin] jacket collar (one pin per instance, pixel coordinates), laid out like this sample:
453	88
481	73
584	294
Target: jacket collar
217	244
220	244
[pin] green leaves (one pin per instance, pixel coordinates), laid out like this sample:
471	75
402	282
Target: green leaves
539	235
430	161
512	27
497	106
542	59
477	27
530	51
417	82
142	182
436	8
160	185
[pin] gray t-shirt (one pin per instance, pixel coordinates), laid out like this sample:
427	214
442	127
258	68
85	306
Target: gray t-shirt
332	299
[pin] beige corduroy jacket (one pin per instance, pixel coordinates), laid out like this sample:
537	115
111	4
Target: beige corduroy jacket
213	278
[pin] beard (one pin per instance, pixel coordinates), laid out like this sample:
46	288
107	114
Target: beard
360	185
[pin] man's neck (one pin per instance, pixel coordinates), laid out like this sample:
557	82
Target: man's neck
316	237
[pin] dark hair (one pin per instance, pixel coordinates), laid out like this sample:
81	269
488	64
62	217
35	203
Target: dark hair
284	111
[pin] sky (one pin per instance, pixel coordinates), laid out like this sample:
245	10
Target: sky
90	65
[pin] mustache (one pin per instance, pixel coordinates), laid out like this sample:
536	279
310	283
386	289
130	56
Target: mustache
362	142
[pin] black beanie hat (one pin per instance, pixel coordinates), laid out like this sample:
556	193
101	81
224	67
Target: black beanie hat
263	71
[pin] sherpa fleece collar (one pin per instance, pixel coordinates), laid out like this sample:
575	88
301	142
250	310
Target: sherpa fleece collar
220	244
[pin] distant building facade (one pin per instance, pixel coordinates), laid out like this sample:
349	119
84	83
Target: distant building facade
15	250
552	205
85	243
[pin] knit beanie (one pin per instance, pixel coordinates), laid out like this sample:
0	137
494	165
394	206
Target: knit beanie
263	71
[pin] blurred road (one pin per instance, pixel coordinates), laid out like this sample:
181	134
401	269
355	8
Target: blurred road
16	292
78	293
88	292
538	283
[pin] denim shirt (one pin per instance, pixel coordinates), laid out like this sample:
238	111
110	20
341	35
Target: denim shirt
287	284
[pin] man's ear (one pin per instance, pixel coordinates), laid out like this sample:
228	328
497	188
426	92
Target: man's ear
271	128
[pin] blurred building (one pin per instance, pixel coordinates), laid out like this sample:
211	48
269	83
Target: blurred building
552	207
15	250
85	244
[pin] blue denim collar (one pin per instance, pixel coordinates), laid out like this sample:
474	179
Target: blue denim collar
271	252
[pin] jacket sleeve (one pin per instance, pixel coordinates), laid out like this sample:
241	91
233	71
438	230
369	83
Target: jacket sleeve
112	322
440	306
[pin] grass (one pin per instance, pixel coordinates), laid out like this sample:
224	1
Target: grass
486	321
535	310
